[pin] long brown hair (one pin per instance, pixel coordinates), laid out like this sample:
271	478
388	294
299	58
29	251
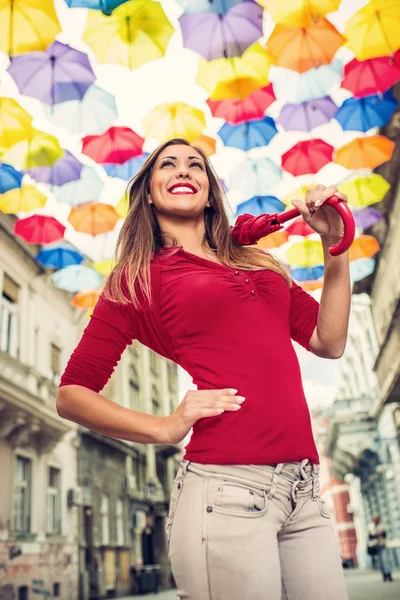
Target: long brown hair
140	236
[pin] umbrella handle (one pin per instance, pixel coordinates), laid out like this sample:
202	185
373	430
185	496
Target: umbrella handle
348	222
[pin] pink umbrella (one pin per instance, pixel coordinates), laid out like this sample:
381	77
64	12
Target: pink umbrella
307	157
372	76
246	109
39	229
116	145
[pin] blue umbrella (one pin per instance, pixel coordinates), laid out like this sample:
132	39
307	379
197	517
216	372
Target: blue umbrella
85	189
307	273
362	114
248	135
106	6
10	178
128	169
211	6
76	278
260	205
254	177
59	255
65	169
361	268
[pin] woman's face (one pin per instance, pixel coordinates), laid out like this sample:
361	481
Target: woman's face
179	183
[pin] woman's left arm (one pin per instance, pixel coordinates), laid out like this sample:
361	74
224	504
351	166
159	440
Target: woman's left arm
329	337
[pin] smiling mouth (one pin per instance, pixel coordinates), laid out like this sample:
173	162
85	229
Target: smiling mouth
182	190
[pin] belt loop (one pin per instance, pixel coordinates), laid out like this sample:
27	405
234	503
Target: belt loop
275	476
302	472
185	466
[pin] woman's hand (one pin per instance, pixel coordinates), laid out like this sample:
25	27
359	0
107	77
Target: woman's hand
324	219
198	404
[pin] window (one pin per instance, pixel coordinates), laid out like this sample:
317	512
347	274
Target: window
9	317
56	590
153	362
53	500
22	495
155	401
134	399
105	520
55	359
119	513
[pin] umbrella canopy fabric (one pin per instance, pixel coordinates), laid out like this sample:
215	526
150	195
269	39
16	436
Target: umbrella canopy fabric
10	178
300	227
58	74
307	253
308	156
307	273
212	6
260	205
366	217
128	169
206	143
136	33
254	177
106	6
273	240
310	286
39	229
236	77
65	169
307	115
27	25
245	109
177	119
76	278
248	135
15	123
104	267
362	114
297	194
307	47
23	199
293	87
359	269
116	145
365	152
122	207
365	246
298	12
86	299
216	35
78	191
59	255
364	191
93	218
371	76
374	30
93	114
39	150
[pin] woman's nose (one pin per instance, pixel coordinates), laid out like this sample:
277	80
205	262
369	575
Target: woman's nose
183	174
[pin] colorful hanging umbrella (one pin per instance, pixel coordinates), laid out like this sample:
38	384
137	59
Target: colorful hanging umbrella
39	229
273	240
365	152
211	6
307	273
116	145
10	178
216	35
78	191
248	135
364	191
122	207
307	115
361	268
371	76
306	157
76	278
128	169
15	123
59	255
307	253
366	217
297	194
246	109
300	227
307	47
177	119
298	12
93	218
310	286
93	114
27	25
235	77
260	205
39	150
106	6
207	144
136	33
365	246
86	299
362	114
65	169
23	199
104	267
255	176
374	30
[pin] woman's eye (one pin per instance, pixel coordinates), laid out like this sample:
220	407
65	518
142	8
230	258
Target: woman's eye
166	162
196	164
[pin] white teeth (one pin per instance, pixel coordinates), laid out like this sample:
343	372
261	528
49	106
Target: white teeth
182	188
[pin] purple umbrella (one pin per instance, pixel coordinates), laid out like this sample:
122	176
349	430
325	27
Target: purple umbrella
65	169
223	35
60	73
307	115
366	217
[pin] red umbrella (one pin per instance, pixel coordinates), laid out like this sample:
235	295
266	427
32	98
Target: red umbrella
372	76
299	227
116	145
39	229
307	157
245	109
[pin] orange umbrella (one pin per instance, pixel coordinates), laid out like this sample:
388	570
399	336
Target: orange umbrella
301	49
310	286
206	143
86	299
365	152
93	218
365	246
274	240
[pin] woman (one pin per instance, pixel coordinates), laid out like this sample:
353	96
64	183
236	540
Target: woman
377	546
246	519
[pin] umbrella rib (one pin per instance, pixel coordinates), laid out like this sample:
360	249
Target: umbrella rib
31	22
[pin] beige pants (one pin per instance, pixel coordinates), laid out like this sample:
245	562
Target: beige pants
238	532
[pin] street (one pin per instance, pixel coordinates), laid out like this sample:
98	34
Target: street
362	586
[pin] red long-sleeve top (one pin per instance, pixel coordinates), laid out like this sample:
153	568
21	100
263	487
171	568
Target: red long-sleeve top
227	328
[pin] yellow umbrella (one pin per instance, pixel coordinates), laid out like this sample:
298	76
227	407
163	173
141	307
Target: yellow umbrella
307	253
167	121
207	144
27	25
122	207
23	199
297	194
374	30
298	12
15	123
104	267
365	246
364	191
39	150
236	77
93	218
136	33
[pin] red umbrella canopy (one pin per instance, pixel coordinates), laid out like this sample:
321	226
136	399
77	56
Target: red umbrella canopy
244	109
116	145
39	229
299	227
372	76
307	157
